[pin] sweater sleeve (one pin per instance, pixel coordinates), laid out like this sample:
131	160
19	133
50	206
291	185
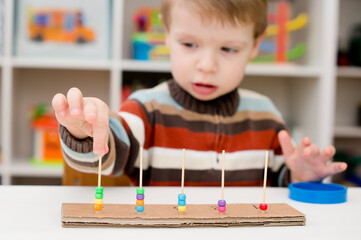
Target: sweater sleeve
126	133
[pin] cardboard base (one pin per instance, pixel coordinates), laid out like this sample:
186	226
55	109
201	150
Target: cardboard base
196	215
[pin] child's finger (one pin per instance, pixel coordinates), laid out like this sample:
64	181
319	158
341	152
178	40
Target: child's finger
60	105
90	110
311	151
334	168
328	153
306	142
75	101
100	129
286	143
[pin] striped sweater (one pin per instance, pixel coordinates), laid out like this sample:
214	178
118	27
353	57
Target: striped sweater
166	119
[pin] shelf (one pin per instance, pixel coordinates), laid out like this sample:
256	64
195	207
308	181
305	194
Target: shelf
286	70
349	72
282	70
24	168
347	132
148	66
62	63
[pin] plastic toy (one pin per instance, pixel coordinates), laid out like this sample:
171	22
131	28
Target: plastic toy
280	29
148	37
58	25
45	138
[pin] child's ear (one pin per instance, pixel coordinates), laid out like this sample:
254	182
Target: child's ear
256	44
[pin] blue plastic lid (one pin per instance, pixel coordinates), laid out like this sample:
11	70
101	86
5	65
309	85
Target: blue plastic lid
311	192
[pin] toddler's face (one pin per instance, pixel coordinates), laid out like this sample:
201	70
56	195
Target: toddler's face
208	60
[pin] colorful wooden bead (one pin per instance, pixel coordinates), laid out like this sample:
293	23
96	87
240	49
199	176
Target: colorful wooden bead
263	206
99	195
97	207
181	203
99	190
139	208
140	196
140	202
98	201
140	191
182	197
182	208
222	209
221	203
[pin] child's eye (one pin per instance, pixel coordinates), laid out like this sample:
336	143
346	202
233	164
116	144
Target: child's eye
189	45
229	50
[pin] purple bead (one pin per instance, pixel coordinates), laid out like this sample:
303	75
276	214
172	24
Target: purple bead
140	196
222	203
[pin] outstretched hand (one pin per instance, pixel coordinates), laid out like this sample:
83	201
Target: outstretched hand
306	162
83	117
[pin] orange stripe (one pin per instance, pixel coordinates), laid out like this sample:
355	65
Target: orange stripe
183	138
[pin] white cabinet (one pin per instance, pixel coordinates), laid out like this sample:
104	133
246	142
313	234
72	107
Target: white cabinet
304	92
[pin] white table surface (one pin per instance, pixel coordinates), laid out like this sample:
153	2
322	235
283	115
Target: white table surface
34	212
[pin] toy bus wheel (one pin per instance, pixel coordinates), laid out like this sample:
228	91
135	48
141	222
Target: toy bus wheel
38	38
81	40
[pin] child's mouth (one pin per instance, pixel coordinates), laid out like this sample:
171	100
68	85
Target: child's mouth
203	88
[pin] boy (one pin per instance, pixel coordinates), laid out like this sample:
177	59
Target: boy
201	110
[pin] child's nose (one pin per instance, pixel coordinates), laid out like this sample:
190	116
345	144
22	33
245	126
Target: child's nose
207	62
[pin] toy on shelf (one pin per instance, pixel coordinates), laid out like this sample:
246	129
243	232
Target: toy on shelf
45	137
277	49
148	38
58	25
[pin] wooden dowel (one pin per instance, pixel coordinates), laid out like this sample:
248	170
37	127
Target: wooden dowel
222	196
100	171
141	168
265	177
183	160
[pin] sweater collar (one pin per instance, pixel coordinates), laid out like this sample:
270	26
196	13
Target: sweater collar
225	105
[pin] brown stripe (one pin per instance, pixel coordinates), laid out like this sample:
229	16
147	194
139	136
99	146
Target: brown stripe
107	159
174	121
194	116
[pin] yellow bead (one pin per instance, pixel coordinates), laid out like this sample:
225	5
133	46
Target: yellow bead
181	208
140	202
97	207
99	201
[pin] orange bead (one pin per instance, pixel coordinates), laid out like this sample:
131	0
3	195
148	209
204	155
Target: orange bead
98	207
140	202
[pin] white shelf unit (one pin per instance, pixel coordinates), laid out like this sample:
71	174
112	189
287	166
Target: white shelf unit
304	92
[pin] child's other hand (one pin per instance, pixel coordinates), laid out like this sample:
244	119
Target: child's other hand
83	117
306	162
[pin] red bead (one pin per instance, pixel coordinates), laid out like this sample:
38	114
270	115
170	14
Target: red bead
263	206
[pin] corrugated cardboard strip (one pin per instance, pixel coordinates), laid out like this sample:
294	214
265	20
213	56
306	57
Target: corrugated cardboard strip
197	215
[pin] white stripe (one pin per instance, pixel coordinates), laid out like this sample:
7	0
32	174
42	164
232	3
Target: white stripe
136	125
165	158
246	93
84	157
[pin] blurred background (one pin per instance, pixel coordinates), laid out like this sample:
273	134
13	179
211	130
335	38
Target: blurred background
309	65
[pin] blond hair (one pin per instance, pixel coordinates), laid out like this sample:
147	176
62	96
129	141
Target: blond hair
234	12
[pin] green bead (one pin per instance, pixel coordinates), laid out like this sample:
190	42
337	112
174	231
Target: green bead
140	191
99	195
99	189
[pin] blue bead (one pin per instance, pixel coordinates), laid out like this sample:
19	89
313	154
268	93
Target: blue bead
181	203
182	197
139	208
222	203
